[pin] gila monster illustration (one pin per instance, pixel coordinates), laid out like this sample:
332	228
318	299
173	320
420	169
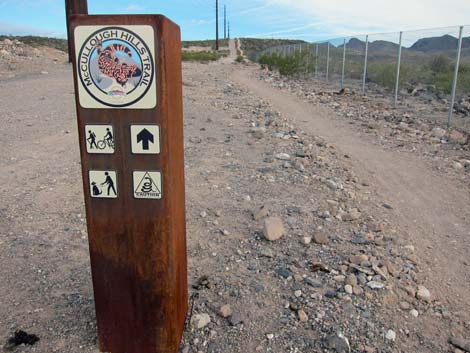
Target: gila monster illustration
109	64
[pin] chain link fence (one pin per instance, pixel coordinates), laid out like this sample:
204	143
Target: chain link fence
415	68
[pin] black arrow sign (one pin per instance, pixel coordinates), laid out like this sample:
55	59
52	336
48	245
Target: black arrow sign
145	137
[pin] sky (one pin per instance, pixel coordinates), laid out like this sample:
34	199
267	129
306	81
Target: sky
311	20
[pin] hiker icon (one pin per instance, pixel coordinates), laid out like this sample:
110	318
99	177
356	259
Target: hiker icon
103	184
109	181
92	139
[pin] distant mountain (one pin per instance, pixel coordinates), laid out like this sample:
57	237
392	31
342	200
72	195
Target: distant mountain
378	46
435	44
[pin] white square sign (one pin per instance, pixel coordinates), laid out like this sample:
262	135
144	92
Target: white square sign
148	185
99	139
103	184
145	139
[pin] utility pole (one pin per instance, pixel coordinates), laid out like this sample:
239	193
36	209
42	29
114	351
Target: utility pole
216	24
225	21
228	33
74	7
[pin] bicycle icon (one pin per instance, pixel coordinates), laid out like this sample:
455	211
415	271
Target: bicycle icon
102	144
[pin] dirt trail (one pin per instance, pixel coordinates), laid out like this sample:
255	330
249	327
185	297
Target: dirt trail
432	208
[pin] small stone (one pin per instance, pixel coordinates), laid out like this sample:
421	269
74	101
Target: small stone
357	290
298	293
203	214
269	336
339	343
225	311
423	294
273	228
457	166
358	259
339	279
235	319
348	289
414	313
282	156
321	238
438	132
303	317
260	213
351	279
199	321
405	306
306	240
375	285
391	335
313	282
460	343
352	215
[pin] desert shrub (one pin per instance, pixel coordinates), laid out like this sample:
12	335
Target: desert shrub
240	59
202	56
440	64
299	63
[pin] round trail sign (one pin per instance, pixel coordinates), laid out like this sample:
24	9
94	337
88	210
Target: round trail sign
116	66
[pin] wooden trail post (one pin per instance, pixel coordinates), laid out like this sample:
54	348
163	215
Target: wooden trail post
74	7
127	72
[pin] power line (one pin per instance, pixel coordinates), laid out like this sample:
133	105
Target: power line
216	24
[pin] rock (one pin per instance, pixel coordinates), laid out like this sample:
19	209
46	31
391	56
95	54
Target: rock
414	313
339	279
391	335
199	321
351	279
225	311
260	213
313	282
303	317
7	41
423	294
258	132
282	156
348	289
339	343
358	259
376	227
460	343
321	238
298	293
375	285
405	305
203	214
438	132
457	166
352	215
273	228
306	240
235	319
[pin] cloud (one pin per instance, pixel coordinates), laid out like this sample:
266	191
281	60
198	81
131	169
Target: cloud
134	8
361	16
7	28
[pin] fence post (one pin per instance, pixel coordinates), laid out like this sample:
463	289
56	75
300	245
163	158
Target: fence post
327	60
316	59
397	83
344	63
74	7
456	77
365	66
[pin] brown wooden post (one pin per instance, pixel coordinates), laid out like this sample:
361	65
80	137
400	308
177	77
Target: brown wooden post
74	7
128	84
